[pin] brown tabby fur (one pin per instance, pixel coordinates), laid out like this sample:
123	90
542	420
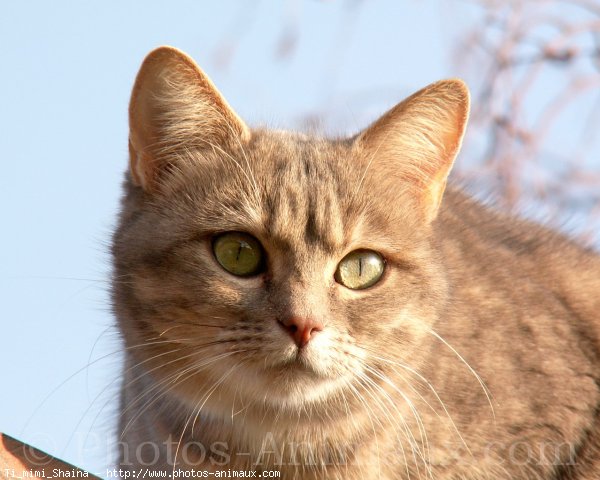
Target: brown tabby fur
476	356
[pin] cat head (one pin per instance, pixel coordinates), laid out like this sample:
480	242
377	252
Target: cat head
275	267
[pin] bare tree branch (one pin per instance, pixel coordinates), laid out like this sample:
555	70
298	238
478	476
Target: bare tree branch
533	65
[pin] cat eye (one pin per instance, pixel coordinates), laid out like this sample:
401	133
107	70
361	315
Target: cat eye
239	253
360	269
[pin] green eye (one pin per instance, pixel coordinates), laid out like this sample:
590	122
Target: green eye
360	269
239	253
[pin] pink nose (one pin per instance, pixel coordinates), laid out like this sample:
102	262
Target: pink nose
300	329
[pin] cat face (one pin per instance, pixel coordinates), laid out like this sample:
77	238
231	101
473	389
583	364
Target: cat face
270	267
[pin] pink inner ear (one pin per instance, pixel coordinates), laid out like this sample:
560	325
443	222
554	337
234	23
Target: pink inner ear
175	107
418	140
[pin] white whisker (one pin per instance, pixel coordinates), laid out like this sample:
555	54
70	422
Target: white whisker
471	369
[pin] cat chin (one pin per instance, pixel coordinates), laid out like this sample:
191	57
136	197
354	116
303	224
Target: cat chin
289	386
303	393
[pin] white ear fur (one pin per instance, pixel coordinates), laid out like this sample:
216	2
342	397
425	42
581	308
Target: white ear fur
174	106
419	139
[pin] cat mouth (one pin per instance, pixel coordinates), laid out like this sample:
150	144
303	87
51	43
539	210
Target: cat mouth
301	378
299	364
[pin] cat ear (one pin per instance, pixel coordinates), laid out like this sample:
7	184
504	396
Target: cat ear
175	108
419	139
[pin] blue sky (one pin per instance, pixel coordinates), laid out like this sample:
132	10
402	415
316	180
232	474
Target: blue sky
67	71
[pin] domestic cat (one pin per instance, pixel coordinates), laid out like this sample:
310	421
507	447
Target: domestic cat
326	308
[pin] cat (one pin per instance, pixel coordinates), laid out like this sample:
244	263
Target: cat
327	308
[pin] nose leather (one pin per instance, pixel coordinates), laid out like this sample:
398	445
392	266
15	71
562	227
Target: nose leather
302	330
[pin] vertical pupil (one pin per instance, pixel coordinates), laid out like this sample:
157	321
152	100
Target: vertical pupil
237	253
360	269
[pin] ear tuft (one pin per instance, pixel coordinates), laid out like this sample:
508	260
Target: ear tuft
175	107
419	139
